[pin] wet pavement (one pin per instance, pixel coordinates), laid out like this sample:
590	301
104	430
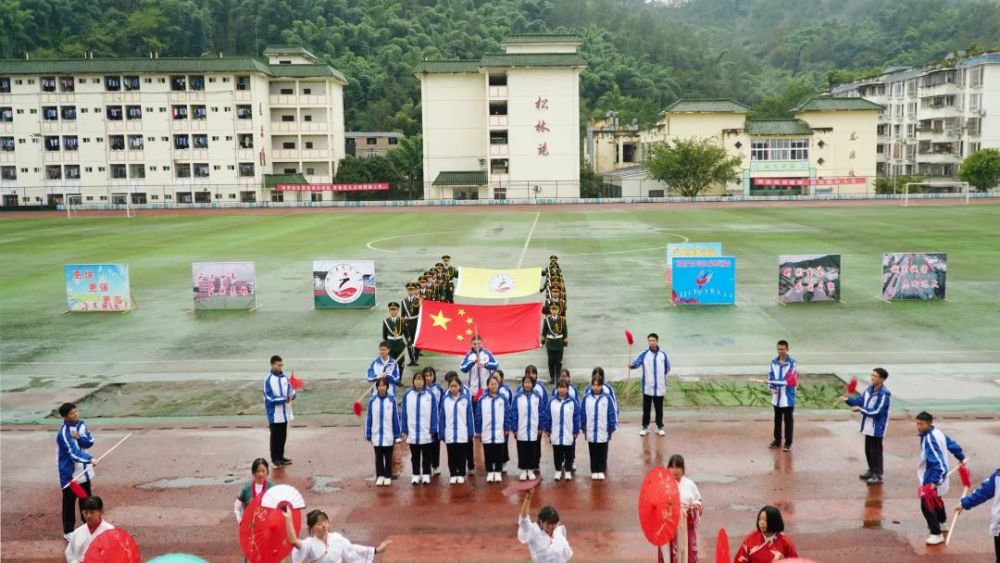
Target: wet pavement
173	489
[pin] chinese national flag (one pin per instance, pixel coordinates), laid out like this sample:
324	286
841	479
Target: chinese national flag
448	328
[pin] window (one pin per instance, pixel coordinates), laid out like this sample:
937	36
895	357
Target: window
309	144
197	82
50	113
71	143
119	171
69	113
135	142
974	101
287	118
131	83
498	108
242	82
48	83
245	140
112	83
136	170
178	83
6	115
133	112
498	79
371	141
139	198
53	172
4	85
179	112
200	141
51	143
246	169
116	142
307	118
200	169
800	149
114	113
66	84
287	91
310	171
499	166
393	141
244	112
976	76
183	170
7	144
8	172
199	112
182	142
779	149
288	145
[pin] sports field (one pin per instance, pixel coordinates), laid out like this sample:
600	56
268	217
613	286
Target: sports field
942	353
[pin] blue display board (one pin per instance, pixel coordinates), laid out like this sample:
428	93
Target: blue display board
704	281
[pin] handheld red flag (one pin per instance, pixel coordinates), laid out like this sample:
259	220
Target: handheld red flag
930	497
478	395
722	547
296	383
628	337
965	476
852	386
357	408
77	489
112	546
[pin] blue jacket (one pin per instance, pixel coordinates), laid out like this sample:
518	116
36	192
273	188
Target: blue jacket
528	425
382	422
608	389
277	392
456	424
874	410
597	425
421	407
497	423
933	468
563	420
777	378
71	457
655	367
390	368
986	491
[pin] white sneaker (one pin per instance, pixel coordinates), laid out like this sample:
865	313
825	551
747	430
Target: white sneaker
453	480
425	479
935	539
524	476
497	477
461	480
558	476
568	476
601	476
489	476
660	432
531	475
415	480
378	481
644	432
387	481
595	476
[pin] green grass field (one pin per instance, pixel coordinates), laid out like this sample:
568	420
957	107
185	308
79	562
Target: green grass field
614	265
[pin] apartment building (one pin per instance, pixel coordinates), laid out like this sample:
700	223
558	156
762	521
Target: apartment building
168	130
364	144
933	116
506	125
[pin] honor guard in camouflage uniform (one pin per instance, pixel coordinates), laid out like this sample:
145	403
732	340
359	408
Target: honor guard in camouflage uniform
411	314
451	273
556	338
394	334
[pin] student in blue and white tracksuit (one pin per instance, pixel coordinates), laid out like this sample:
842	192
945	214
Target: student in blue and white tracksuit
933	470
538	388
456	423
529	419
598	422
655	367
782	379
278	397
493	424
71	441
562	427
987	490
506	393
873	405
430	381
384	367
479	363
382	430
420	420
608	389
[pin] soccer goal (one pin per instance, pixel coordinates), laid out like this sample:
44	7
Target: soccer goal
937	189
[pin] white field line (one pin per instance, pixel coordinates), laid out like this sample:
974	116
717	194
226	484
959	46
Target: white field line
527	241
370	244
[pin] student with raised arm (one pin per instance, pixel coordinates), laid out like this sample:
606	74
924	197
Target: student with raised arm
324	546
546	540
655	367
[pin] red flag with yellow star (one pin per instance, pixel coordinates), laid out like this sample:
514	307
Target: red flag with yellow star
448	328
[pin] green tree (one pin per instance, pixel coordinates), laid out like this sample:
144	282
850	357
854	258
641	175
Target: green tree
591	183
407	163
981	169
691	166
896	184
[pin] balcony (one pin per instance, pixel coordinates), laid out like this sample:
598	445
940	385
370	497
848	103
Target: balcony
499	150
499	121
939	112
58	126
195	96
300	100
241	96
497	91
298	126
937	134
244	155
940	157
244	125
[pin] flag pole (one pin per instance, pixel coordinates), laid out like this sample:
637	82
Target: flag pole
77	476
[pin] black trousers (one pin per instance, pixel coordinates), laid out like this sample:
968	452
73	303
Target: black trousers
650	400
470	455
873	453
598	456
934	518
527	455
435	453
279	433
458	457
493	456
563	457
69	504
383	461
996	547
783	413
420	458
506	449
538	453
555	363
411	337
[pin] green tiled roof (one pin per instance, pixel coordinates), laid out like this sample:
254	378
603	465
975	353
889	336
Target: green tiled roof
777	127
532	59
272	180
275	50
461	178
541	38
448	66
10	67
826	103
716	105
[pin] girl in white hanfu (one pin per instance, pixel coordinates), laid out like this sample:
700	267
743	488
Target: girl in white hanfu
684	547
324	546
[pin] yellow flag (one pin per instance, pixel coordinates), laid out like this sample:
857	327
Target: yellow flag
484	283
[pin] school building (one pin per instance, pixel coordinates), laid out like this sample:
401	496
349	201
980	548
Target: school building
169	130
366	144
933	116
827	147
506	125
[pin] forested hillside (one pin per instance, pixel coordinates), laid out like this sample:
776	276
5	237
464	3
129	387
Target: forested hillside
642	55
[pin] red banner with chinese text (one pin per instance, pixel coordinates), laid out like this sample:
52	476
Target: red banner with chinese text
448	328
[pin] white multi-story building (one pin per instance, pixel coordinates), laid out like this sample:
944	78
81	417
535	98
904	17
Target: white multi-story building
934	116
506	125
168	130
